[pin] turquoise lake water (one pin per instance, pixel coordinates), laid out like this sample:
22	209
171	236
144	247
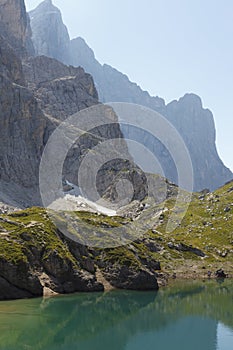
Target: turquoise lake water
184	316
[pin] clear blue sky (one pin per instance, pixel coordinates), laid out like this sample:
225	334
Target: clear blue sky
169	47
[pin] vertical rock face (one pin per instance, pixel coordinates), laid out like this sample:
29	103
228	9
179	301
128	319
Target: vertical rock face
15	27
22	124
50	35
35	96
60	90
195	124
32	103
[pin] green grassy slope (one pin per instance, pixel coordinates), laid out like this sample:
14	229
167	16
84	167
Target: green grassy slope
203	241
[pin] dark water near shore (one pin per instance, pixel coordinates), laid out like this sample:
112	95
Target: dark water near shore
185	316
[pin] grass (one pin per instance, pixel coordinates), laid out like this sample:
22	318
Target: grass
32	230
207	225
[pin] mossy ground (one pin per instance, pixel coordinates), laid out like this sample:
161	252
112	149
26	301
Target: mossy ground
207	225
27	230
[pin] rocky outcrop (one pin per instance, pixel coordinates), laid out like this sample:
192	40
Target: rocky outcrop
194	123
30	279
124	277
196	126
184	248
18	281
220	274
60	90
38	257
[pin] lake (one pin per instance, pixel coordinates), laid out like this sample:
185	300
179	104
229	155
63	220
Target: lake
184	316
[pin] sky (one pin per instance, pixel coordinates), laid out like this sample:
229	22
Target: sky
168	47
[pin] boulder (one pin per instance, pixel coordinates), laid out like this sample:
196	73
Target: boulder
129	278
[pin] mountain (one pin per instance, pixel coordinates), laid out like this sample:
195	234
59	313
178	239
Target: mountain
36	94
194	123
57	43
45	251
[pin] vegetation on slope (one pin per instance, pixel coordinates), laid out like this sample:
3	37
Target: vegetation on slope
202	242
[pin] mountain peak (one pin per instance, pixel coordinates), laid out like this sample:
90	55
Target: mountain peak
45	7
50	35
194	123
47	3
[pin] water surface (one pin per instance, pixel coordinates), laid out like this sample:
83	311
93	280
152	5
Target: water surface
184	316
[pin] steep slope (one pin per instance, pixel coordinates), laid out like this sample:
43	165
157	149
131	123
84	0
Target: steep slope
31	108
35	97
60	90
195	124
15	26
36	255
22	124
112	85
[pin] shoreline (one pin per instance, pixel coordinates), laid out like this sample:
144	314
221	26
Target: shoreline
164	281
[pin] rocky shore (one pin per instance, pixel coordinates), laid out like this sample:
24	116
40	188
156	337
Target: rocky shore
37	258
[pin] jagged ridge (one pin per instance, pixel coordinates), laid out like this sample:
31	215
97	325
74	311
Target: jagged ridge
195	124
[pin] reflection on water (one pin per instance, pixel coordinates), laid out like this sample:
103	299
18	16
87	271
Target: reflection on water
191	315
224	336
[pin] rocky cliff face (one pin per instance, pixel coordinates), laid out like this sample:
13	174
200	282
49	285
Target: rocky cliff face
35	97
60	90
195	124
112	85
22	124
15	26
50	39
37	257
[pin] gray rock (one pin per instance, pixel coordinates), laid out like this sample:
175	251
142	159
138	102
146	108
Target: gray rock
19	279
220	274
59	90
22	124
50	39
15	26
181	247
8	291
33	101
127	278
68	279
194	123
